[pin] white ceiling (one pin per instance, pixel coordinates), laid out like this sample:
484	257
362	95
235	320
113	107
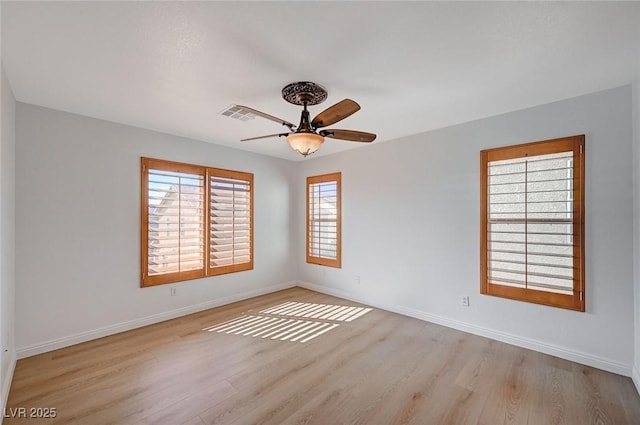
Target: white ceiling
414	66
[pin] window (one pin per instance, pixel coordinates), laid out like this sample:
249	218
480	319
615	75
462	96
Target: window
196	221
323	220
532	219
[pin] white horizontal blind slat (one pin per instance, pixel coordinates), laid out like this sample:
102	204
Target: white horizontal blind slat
530	240
175	205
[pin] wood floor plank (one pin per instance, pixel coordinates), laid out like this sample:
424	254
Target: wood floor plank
193	421
184	410
593	403
509	404
450	404
629	400
242	365
552	388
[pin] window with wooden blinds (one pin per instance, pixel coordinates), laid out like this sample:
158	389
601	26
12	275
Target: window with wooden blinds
196	221
532	238
230	221
323	220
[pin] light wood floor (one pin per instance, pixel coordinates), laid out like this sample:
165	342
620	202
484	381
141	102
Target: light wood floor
380	368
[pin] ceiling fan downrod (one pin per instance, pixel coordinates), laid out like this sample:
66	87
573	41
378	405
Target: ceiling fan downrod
305	122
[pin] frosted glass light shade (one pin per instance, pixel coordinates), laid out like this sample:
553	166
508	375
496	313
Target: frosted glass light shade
305	143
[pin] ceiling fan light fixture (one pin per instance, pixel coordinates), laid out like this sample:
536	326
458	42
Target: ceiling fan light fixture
305	143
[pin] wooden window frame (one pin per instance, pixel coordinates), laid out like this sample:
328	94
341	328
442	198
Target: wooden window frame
207	270
324	178
576	301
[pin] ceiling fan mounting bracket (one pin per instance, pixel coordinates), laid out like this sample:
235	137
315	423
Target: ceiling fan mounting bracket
304	93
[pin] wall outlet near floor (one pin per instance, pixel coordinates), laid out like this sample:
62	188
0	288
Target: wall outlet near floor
357	279
464	301
174	292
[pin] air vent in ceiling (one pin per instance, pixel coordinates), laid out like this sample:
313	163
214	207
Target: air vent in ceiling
234	112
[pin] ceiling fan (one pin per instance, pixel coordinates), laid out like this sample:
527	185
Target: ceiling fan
306	138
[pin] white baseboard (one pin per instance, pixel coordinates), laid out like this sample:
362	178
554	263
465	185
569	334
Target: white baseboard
66	341
6	385
532	344
635	376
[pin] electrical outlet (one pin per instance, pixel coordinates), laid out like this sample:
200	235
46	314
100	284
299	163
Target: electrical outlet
357	279
174	292
464	301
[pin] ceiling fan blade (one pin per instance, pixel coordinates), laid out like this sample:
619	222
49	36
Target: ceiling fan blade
350	135
265	137
335	113
267	116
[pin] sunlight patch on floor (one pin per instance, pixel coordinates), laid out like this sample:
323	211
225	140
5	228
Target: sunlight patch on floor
274	328
339	313
290	321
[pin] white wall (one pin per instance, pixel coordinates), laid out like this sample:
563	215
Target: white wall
7	236
411	229
636	220
78	221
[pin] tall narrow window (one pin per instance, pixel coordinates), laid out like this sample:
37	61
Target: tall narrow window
230	220
196	221
532	237
323	220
